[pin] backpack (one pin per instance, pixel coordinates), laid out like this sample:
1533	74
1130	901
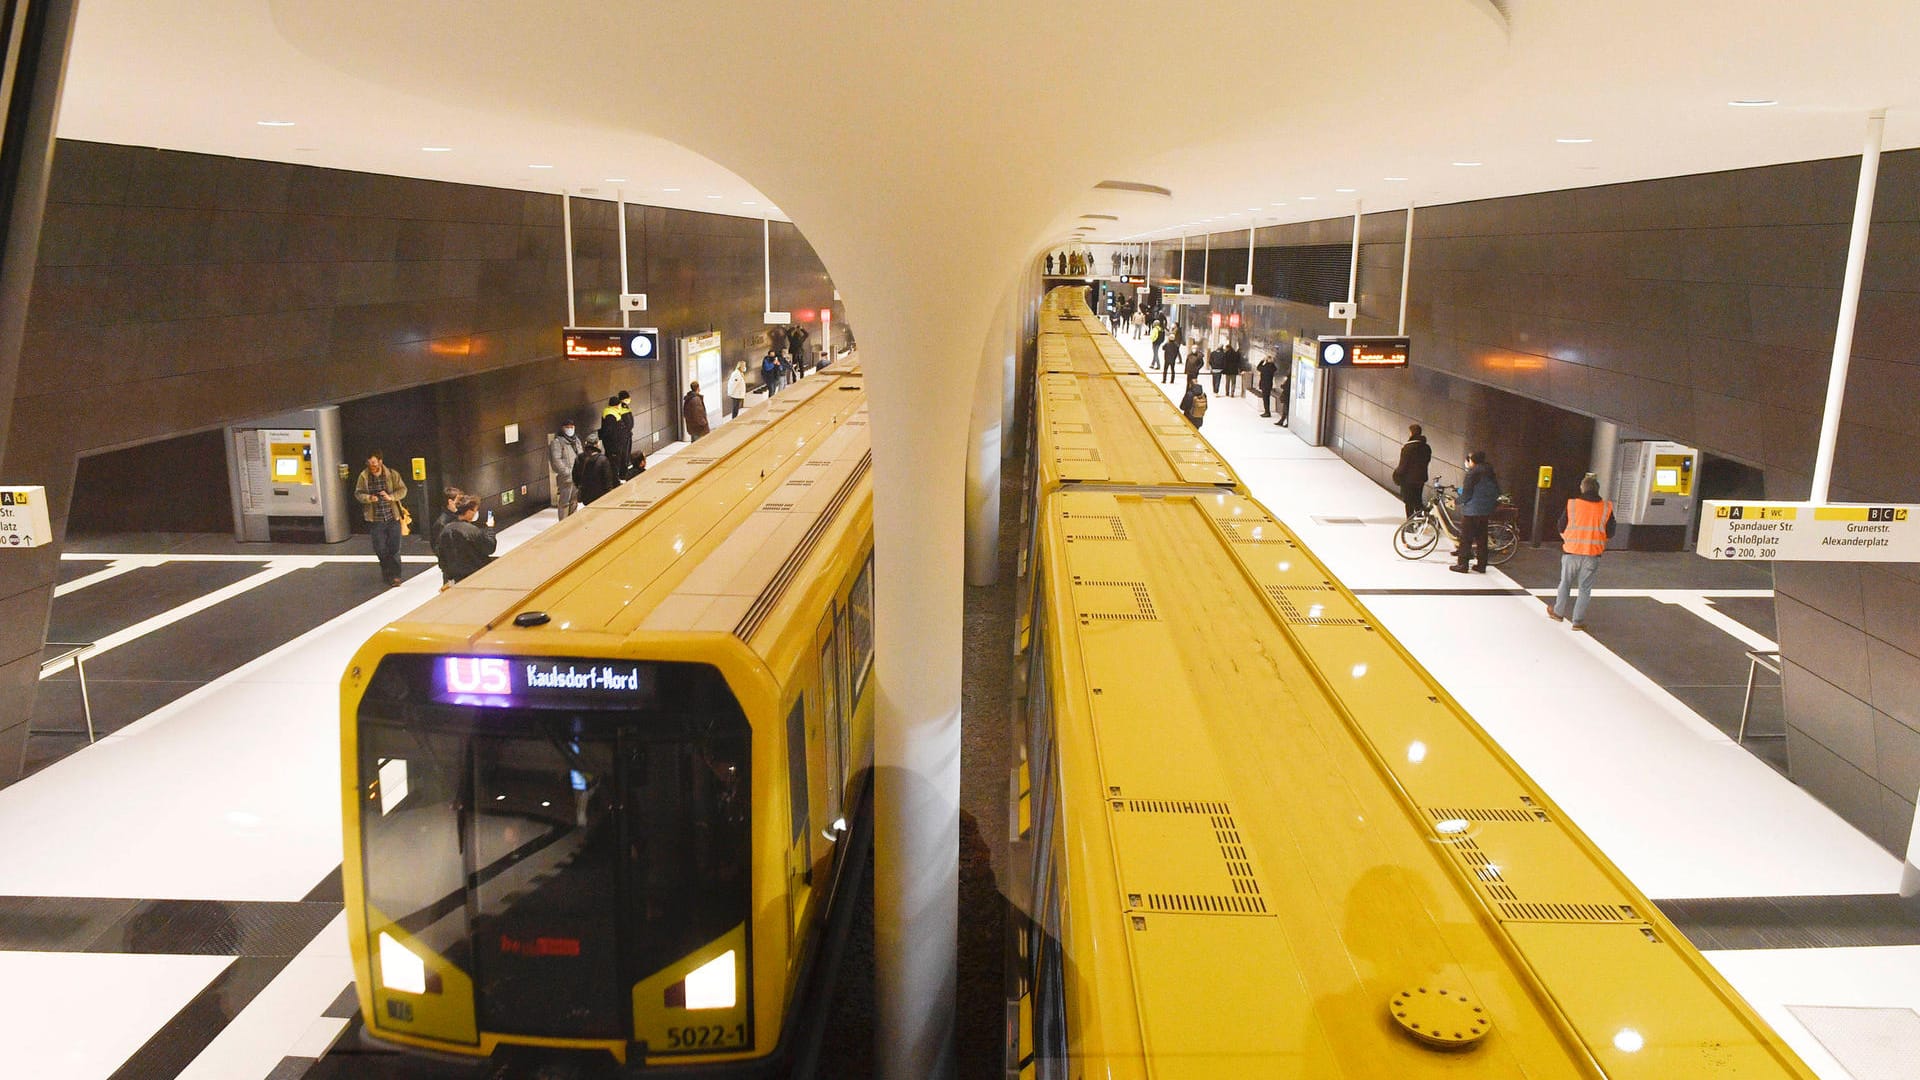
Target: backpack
1199	406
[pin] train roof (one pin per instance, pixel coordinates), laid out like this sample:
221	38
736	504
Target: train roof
1073	340
705	540
1310	847
1120	429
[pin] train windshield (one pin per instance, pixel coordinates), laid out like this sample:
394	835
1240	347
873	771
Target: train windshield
555	834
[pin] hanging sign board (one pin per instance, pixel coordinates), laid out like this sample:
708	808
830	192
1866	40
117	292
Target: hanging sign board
1809	532
23	517
1188	299
610	343
1364	352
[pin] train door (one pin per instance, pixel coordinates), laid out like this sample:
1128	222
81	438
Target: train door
799	840
833	721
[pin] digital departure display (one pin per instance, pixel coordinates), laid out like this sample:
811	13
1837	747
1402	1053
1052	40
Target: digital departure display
502	681
584	343
1365	352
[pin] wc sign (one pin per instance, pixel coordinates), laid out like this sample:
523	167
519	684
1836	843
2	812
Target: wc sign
23	517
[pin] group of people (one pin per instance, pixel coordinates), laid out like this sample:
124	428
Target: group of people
1081	261
1226	362
587	467
460	543
787	359
1586	523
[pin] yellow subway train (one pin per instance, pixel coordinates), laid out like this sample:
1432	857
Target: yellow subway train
1257	839
600	796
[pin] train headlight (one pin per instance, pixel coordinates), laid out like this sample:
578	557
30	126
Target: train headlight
711	985
400	969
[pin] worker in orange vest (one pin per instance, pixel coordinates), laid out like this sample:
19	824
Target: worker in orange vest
1585	527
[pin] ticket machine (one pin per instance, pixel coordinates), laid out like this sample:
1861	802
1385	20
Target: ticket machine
1654	491
283	476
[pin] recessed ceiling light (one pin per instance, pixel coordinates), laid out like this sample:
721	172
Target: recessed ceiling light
715	196
1309	198
615	180
1573	142
1752	103
274	123
1469	164
748	202
1236	213
438	149
1253	209
1394	179
669	189
1346	190
539	166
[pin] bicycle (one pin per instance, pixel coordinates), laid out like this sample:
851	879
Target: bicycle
1416	537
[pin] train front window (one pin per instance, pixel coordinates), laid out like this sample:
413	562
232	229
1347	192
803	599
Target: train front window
555	850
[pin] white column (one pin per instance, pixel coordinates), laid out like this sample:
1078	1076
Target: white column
566	237
983	457
1353	263
1406	266
1849	306
766	257
620	209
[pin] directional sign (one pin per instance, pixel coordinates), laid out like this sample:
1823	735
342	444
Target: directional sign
1187	299
1809	532
23	517
611	343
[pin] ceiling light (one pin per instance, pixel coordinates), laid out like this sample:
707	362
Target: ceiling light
539	166
1573	142
438	149
1469	164
748	202
615	180
274	123
1236	213
669	189
715	196
1752	103
1279	204
1309	198
1394	179
1346	190
1253	209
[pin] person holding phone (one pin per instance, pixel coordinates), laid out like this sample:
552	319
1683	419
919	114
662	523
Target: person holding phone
380	492
465	545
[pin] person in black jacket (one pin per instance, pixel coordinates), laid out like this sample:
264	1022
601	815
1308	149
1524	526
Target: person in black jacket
1411	473
1268	368
625	461
1170	355
1194	403
465	545
1479	498
613	438
593	474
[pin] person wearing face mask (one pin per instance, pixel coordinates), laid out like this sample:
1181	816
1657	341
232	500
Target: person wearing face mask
562	451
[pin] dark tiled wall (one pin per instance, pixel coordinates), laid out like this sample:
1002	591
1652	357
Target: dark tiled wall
180	292
1700	309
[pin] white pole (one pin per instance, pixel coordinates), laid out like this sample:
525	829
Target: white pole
1353	264
620	208
566	237
1206	262
1849	306
1183	260
1406	264
766	256
1249	258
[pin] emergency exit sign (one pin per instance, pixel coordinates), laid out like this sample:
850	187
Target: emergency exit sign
23	517
1809	532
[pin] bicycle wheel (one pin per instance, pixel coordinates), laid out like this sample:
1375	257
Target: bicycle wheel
1502	541
1415	537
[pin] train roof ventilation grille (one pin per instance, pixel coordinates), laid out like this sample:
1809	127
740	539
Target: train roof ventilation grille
1537	911
673	479
1076	453
1071	429
796	482
777	508
1200	904
1116	528
1487	813
635	504
1304	614
1136	591
1172	806
1240	532
699	460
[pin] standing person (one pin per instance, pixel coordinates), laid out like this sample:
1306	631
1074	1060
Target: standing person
1116	264
797	345
1049	264
736	388
1585	527
1267	370
465	545
1217	363
1195	358
626	435
1194	403
693	409
770	371
593	472
449	513
1169	356
1479	496
1283	388
1139	321
1410	475
380	492
1155	337
562	451
613	438
1236	363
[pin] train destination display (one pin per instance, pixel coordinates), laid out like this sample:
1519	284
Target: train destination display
1369	351
588	343
499	680
1809	532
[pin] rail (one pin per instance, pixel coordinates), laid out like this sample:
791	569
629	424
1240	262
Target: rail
1756	660
77	652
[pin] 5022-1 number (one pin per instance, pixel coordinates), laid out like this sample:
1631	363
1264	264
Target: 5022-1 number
706	1037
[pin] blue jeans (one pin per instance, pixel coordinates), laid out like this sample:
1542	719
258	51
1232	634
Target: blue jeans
386	547
1576	572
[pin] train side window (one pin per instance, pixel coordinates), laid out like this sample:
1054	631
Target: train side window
1049	987
797	766
860	629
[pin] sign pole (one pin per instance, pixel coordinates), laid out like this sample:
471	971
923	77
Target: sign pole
1849	306
1353	265
766	256
1406	264
1249	257
566	237
1206	263
620	208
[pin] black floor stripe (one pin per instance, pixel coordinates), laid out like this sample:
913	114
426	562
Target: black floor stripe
1441	592
193	1029
291	1068
1797	922
329	891
250	928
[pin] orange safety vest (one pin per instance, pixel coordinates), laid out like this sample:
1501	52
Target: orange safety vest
1586	531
